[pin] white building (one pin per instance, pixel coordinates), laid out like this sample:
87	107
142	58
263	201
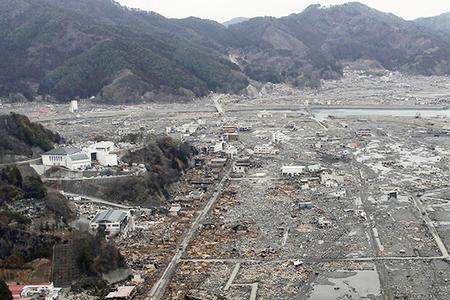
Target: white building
314	168
264	149
245	127
112	221
174	210
231	151
241	166
71	158
239	169
101	153
331	184
293	170
218	147
279	137
264	114
188	128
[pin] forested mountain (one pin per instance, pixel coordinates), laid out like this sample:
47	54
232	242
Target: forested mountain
69	48
439	24
311	45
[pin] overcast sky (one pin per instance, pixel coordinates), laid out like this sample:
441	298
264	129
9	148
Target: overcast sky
223	10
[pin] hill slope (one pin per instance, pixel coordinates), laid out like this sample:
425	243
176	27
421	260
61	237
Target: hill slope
301	48
20	137
437	25
69	48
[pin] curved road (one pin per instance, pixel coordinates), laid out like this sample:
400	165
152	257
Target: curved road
97	200
18	163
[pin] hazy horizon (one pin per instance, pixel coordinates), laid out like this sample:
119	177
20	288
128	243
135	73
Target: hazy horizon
224	10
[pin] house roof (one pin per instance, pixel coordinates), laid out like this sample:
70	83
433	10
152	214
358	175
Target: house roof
63	151
290	168
79	156
175	209
103	144
110	216
122	292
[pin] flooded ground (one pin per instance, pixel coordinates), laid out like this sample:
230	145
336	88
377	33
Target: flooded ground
323	114
364	284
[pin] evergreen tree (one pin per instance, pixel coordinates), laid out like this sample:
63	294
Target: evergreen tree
5	293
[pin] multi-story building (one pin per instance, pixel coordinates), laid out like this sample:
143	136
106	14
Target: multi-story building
71	158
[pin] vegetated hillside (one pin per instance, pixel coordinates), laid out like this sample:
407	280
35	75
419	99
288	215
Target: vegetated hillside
25	245
165	159
14	187
14	237
70	48
438	24
301	48
21	137
18	245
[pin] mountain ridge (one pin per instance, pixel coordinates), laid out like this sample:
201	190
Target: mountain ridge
235	21
81	48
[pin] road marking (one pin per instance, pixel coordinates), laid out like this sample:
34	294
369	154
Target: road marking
431	228
285	237
233	275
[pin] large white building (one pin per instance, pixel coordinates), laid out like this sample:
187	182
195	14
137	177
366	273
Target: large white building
76	159
71	158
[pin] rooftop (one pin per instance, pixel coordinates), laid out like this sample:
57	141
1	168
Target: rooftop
79	156
110	216
63	151
122	292
103	144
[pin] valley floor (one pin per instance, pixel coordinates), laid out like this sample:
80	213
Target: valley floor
369	218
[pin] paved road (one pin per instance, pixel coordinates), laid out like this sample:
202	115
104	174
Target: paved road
118	113
374	241
159	288
431	227
18	163
313	260
306	109
257	179
90	178
97	200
